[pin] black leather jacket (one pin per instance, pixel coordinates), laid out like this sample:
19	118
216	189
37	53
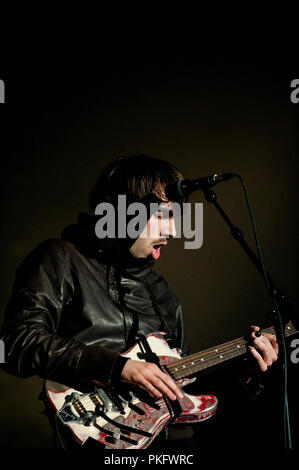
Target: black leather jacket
77	303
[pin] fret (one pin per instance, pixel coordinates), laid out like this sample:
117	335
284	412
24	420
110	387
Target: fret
216	355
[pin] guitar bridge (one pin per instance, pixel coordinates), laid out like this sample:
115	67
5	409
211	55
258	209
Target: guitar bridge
73	410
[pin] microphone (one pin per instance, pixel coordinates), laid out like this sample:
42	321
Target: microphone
184	187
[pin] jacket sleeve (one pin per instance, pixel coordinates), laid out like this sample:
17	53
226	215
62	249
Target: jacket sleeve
42	290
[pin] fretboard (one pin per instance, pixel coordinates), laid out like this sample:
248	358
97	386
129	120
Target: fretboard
190	365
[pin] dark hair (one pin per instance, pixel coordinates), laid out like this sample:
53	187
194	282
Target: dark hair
137	176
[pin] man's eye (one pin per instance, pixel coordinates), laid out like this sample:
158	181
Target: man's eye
163	215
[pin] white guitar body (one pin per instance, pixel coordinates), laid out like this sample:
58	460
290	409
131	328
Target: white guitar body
130	419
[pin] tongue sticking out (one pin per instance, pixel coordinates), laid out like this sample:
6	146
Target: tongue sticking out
156	252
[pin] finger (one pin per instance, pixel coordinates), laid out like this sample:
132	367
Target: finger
149	387
170	383
150	380
269	345
273	341
162	387
167	385
272	338
254	331
261	363
164	383
161	381
265	347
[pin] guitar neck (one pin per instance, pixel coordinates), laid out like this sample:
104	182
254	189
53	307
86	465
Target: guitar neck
218	354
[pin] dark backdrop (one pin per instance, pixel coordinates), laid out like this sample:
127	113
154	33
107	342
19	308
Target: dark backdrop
206	107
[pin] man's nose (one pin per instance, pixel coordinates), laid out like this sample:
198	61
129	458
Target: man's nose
168	229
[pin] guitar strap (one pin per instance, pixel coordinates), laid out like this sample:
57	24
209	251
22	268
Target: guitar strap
160	315
146	352
148	355
131	336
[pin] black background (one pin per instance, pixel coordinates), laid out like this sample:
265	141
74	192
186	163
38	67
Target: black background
205	106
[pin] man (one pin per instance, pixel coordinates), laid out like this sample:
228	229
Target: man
80	301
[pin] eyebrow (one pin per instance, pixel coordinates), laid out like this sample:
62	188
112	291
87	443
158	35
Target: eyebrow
165	205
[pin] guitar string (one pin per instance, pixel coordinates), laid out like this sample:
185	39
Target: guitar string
229	344
198	364
180	369
219	350
229	350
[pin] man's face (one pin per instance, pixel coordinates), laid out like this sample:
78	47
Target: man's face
155	234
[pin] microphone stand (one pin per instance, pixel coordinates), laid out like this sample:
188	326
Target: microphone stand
280	305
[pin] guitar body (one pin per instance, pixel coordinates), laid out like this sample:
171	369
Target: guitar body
128	418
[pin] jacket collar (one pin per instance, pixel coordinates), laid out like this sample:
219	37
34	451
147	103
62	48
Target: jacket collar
109	250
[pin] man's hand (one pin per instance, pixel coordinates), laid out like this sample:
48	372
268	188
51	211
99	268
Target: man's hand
263	348
148	376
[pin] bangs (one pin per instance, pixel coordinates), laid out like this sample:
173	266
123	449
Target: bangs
136	176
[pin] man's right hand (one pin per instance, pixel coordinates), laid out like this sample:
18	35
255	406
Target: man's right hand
148	376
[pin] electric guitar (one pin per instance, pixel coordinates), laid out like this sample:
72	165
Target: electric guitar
130	418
